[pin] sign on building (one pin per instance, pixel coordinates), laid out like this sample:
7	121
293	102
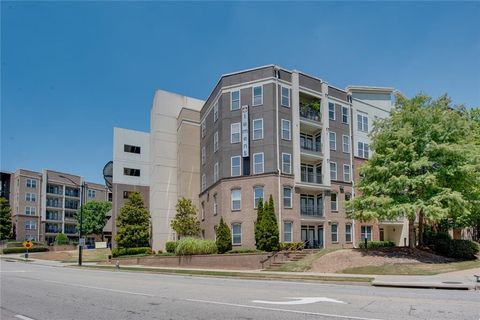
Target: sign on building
245	137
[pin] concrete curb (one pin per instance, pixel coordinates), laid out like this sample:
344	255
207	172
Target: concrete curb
447	285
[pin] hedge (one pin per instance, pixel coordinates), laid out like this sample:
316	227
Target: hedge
291	246
245	250
117	252
170	246
23	250
459	249
191	246
376	244
19	244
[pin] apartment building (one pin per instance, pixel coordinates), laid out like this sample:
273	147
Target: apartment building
44	203
270	131
162	165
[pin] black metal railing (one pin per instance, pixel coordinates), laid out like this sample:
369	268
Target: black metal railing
310	114
311	178
311	211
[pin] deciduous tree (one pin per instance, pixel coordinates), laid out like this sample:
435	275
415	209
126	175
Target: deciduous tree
5	219
186	223
94	216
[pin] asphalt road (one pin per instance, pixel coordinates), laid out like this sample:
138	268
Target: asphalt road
48	293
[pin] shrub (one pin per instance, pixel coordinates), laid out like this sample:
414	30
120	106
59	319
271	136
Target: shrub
291	246
459	249
224	237
165	254
61	239
19	244
377	244
190	246
170	246
117	252
23	250
245	250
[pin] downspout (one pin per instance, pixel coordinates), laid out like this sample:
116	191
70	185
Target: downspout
276	70
352	170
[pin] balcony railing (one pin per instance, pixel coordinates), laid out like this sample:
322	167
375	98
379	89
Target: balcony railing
311	211
311	178
54	204
310	114
310	148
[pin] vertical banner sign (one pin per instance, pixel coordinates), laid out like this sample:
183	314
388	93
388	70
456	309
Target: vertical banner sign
245	137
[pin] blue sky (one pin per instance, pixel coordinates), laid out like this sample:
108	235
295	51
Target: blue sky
71	71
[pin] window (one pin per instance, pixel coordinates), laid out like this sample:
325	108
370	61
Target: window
30	225
258	163
345	115
287	231
257	129
92	193
287	197
202	209
363	150
31	197
204	182
331	111
204	128
346	173
334	232
333	201
345	144
348	232
236	234
30	211
131	172
235	132
366	233
362	122
235	163
215	141
333	170
127	194
236	198
286	129
215	172
215	205
131	149
215	111
285	97
203	155
257	96
332	136
235	100
286	163
31	183
257	195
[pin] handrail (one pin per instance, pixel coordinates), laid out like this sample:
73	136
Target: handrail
273	255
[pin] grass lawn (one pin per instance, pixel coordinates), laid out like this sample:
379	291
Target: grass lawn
88	255
303	265
414	268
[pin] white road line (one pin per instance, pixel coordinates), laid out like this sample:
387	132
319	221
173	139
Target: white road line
282	310
12	271
300	301
19	316
99	288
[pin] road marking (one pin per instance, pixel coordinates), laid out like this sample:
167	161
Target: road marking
99	288
19	316
12	271
282	310
300	301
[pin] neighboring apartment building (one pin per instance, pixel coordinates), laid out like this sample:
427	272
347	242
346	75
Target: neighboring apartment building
44	204
270	131
162	165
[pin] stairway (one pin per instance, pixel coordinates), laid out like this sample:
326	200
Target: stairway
294	256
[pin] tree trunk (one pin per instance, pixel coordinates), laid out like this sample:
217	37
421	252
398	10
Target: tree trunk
421	219
411	233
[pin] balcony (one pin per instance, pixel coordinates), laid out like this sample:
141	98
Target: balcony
310	148
311	212
54	189
310	114
53	228
310	177
54	203
72	192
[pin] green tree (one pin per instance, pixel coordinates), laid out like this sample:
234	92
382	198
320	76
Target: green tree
5	219
186	223
425	164
258	225
94	217
61	239
266	236
224	237
133	223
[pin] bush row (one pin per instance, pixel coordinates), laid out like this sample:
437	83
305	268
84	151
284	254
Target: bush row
245	250
190	246
376	244
291	246
19	244
23	250
458	249
117	252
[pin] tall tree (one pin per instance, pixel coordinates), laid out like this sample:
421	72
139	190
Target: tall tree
268	237
94	217
425	164
224	237
133	223
186	223
258	222
5	219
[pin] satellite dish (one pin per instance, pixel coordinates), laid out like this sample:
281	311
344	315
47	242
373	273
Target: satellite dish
108	174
